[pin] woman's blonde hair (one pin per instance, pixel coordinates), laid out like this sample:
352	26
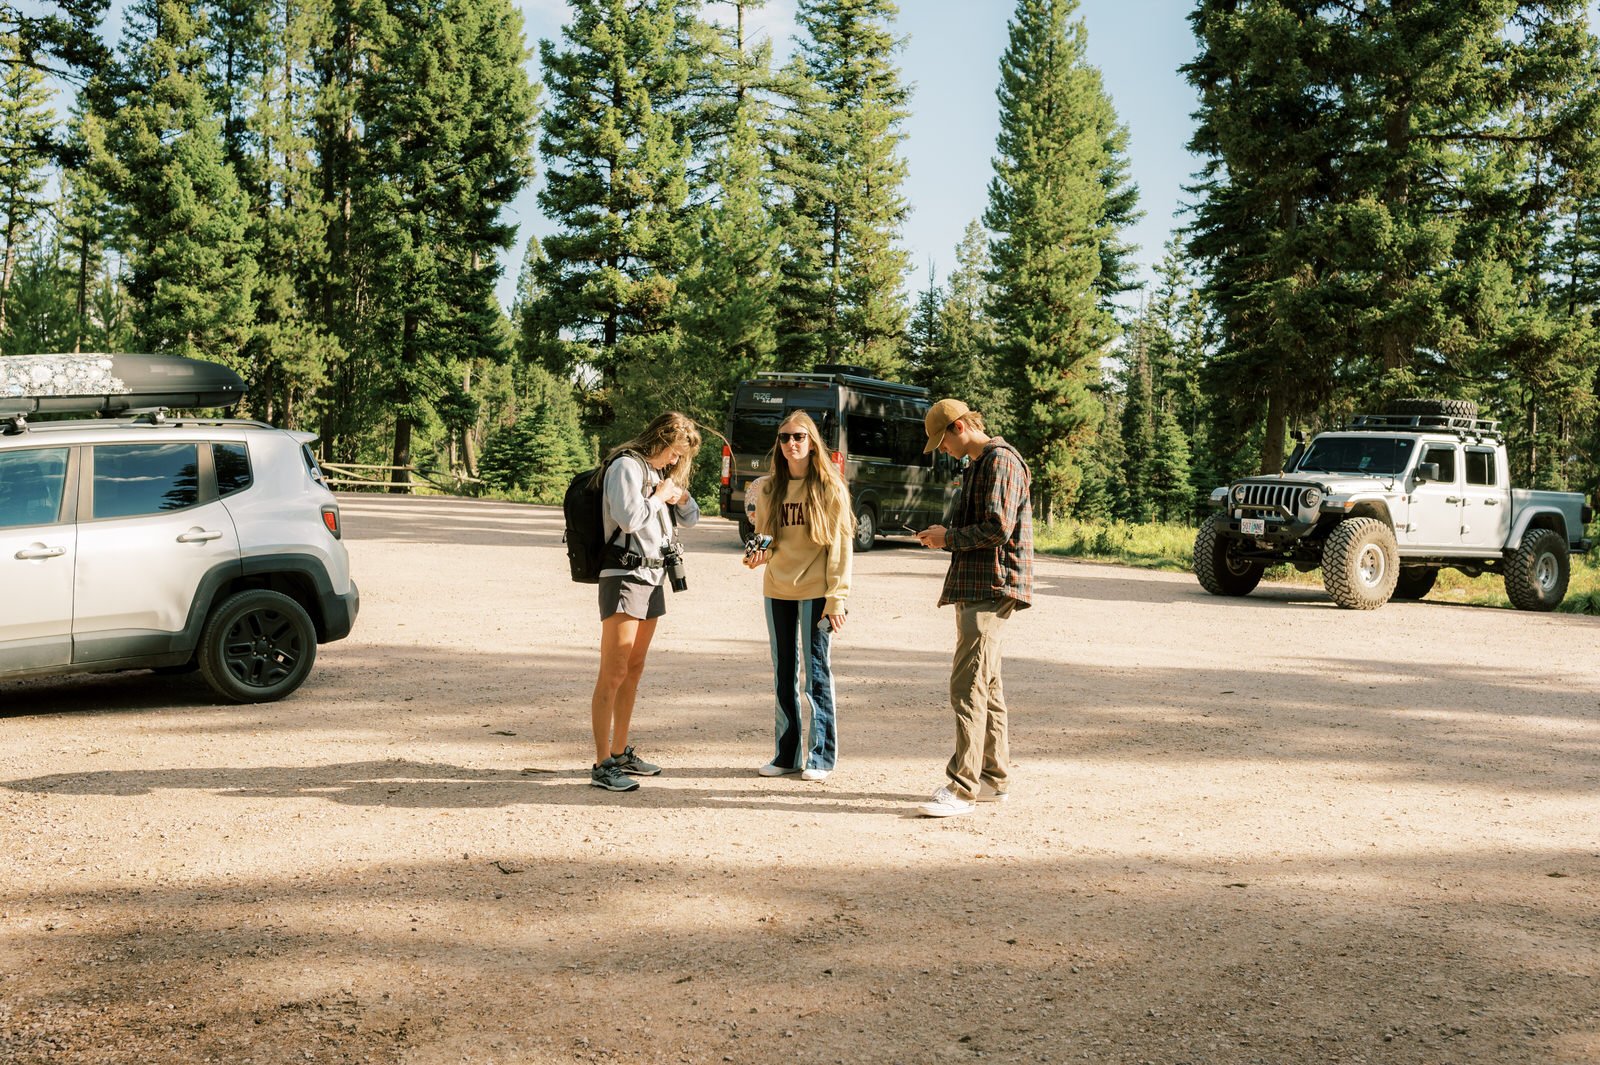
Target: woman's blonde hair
827	499
669	430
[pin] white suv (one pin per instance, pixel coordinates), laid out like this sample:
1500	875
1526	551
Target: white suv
149	542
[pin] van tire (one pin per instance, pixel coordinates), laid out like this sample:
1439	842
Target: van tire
866	528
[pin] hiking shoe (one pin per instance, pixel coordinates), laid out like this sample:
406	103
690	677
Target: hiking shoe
608	775
946	803
772	770
986	793
633	765
818	775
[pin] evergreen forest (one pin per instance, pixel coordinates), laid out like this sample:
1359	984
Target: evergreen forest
1395	199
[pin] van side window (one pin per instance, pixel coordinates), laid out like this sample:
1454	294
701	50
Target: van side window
909	437
871	439
1445	456
1480	466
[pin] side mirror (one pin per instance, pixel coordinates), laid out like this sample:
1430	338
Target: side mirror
1427	471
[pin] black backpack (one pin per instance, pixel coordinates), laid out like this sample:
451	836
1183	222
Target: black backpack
585	535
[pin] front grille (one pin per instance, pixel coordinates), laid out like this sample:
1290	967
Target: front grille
1271	497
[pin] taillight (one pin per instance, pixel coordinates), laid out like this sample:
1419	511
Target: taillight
838	461
727	464
330	518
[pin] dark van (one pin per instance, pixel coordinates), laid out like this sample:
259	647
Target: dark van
874	433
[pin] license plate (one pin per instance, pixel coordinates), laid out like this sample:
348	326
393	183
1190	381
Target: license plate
1252	526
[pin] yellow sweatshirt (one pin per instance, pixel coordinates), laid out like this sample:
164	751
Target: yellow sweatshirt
798	568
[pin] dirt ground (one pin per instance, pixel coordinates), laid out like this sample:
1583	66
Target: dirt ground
1258	831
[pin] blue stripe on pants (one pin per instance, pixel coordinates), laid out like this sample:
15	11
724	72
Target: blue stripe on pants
802	663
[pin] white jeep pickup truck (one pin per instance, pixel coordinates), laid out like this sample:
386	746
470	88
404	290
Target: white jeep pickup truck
1385	503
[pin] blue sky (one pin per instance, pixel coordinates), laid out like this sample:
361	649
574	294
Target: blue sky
952	59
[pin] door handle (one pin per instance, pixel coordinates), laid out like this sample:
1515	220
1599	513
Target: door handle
1452	499
199	536
1491	502
40	551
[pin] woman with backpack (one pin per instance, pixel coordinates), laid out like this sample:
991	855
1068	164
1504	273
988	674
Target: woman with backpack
803	506
645	496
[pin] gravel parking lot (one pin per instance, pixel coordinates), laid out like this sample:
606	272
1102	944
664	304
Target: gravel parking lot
1255	830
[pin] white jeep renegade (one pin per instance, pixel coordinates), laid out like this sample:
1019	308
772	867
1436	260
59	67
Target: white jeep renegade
153	542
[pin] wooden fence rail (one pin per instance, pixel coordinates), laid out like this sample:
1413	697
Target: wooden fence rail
359	475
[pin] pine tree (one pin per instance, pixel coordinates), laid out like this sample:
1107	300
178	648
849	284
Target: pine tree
26	120
725	315
962	361
843	273
85	210
61	43
1168	481
1384	186
180	218
263	56
1138	433
448	116
1056	204
923	339
543	448
617	184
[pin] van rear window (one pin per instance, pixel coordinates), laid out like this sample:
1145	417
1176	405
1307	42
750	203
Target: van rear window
754	432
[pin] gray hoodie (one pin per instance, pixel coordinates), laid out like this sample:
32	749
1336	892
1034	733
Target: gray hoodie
629	506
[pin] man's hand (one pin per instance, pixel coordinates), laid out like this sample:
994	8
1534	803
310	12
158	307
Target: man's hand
933	536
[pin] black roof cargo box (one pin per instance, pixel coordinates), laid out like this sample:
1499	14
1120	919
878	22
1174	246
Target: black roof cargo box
113	384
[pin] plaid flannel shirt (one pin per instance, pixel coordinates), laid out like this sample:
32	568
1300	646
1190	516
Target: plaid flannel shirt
990	535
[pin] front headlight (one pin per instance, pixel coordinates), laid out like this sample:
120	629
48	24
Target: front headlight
1310	499
1238	493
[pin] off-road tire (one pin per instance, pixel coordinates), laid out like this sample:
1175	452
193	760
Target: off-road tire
1538	571
1415	582
866	534
1361	564
257	646
1219	572
1449	408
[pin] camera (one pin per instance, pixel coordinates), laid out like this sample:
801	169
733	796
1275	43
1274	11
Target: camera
672	559
756	543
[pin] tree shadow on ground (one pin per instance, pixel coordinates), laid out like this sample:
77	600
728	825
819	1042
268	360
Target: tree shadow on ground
502	956
1488	725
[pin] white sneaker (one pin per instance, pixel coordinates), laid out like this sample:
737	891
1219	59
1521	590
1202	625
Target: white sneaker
815	774
770	770
945	803
986	793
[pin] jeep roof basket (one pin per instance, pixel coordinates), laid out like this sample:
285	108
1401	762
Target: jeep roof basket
100	383
1462	428
848	375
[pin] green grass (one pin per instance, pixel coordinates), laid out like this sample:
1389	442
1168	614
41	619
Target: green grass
1171	547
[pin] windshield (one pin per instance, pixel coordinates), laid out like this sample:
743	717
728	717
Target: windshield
1383	456
754	432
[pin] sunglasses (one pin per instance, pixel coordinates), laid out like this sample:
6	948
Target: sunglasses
784	438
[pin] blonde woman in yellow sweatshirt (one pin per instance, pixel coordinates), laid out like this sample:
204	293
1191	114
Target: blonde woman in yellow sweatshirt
803	504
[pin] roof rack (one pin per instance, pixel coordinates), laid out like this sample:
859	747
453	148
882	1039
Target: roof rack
840	377
1462	428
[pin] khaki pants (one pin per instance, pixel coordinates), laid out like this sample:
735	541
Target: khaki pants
978	700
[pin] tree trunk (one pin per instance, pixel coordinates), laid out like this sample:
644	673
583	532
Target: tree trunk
400	476
1277	425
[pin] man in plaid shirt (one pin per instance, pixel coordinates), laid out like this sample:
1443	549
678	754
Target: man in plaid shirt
990	540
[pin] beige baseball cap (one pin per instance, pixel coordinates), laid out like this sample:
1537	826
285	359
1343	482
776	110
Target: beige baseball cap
939	418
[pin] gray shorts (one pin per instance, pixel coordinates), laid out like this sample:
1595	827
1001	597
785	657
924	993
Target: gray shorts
632	597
